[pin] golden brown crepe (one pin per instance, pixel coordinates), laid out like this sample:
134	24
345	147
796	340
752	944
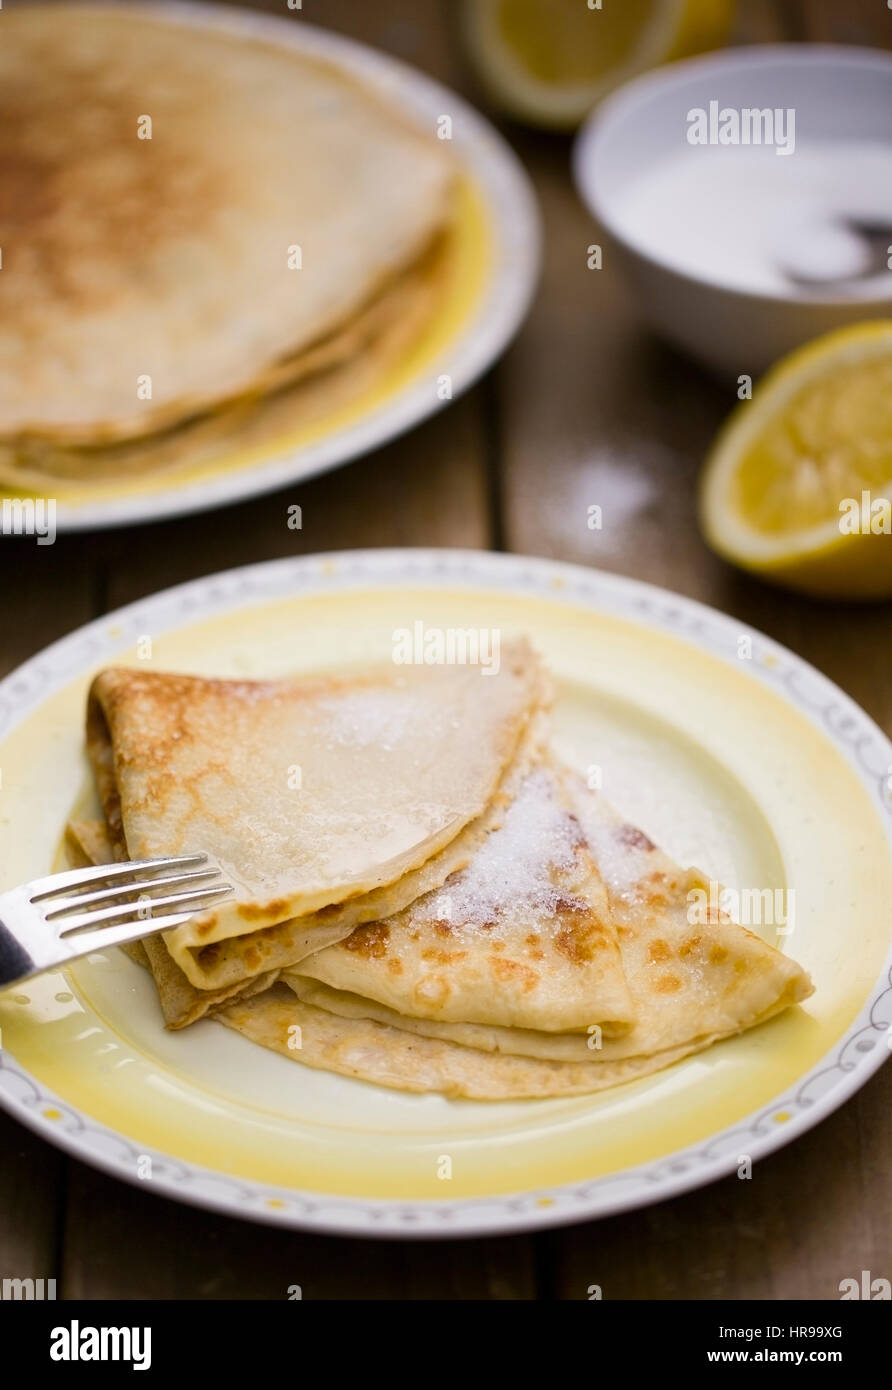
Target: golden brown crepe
160	179
692	980
267	421
182	1003
370	1051
184	764
520	938
451	909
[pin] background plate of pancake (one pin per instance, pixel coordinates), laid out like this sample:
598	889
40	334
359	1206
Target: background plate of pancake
237	251
477	972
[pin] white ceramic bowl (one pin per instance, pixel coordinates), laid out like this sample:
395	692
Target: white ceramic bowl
837	93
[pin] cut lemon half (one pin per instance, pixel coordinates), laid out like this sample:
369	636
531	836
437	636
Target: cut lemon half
550	61
798	486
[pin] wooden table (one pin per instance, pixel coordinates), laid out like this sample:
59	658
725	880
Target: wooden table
585	408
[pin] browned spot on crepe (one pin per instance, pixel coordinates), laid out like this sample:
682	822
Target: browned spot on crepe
369	941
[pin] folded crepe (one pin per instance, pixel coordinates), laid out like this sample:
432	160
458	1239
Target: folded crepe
327	801
164	180
366	1008
274	417
182	1003
521	938
435	904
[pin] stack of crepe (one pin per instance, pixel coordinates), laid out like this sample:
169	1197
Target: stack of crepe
435	903
208	241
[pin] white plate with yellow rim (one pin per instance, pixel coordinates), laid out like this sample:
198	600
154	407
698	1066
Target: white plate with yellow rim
490	268
725	747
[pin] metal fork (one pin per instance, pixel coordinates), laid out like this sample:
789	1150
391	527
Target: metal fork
56	919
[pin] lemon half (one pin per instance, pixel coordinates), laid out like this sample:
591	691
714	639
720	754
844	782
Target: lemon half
798	486
550	61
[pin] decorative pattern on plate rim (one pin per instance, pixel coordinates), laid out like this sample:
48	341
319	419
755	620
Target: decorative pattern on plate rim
837	1076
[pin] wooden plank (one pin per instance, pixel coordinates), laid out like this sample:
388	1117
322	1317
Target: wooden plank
428	488
47	591
867	22
32	1186
595	411
187	1253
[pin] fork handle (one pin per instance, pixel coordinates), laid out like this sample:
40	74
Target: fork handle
15	963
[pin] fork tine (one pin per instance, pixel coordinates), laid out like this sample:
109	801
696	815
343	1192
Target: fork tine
103	937
49	887
61	906
128	910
